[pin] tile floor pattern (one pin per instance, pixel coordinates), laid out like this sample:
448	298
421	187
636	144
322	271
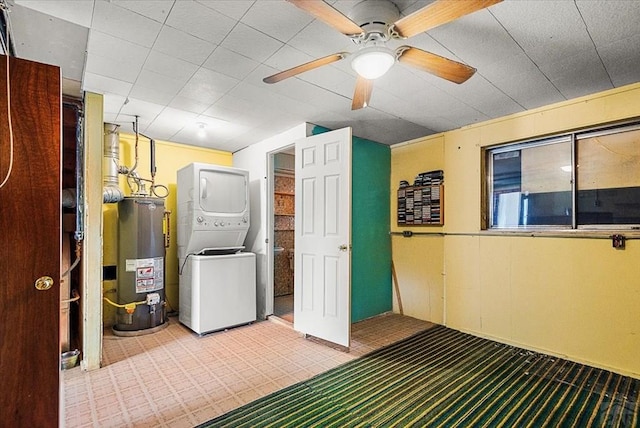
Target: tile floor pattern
173	378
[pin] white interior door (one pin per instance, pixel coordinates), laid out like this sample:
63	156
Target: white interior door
322	282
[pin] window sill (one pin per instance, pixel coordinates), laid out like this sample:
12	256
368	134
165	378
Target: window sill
564	233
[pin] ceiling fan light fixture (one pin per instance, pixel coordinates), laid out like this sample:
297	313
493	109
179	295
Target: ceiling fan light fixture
373	62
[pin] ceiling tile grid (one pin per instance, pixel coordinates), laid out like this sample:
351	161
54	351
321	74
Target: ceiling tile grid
124	24
180	63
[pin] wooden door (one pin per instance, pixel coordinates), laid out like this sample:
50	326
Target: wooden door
322	296
30	221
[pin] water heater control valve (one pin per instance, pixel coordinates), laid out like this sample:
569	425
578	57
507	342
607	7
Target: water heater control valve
153	299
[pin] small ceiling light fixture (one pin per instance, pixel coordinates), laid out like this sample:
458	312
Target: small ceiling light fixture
373	62
201	132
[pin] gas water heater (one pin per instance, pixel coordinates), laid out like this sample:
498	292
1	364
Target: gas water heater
141	255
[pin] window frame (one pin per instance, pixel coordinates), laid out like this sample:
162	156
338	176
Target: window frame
572	137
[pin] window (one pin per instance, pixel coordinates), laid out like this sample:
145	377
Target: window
589	179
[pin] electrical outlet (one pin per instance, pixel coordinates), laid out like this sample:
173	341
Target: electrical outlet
618	241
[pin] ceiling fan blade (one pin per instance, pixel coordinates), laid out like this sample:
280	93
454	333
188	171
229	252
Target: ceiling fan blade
362	94
435	64
437	13
304	67
329	15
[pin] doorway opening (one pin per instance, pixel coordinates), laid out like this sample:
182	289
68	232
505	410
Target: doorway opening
283	238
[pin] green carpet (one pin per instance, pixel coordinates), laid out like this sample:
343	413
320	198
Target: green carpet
444	378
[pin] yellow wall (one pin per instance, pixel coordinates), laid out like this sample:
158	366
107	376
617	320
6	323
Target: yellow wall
170	157
418	261
572	297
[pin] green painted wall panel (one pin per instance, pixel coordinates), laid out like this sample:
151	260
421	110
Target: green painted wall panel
371	255
371	292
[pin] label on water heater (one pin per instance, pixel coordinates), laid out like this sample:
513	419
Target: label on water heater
149	273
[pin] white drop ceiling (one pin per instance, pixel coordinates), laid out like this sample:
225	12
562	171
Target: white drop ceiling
177	64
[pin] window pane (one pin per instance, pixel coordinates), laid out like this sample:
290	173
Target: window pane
608	179
532	186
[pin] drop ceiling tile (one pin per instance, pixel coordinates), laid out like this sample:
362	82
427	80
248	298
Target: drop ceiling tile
251	43
280	19
109	117
477	39
178	70
116	49
100	84
576	66
230	63
146	111
205	80
234	9
64	45
170	121
234	109
124	24
537	24
113	103
546	31
213	123
215	131
161	131
187	104
127	125
305	92
184	46
427	43
207	86
319	40
610	21
391	132
200	21
124	71
483	96
414	92
477	92
388	102
521	80
433	122
200	94
155	94
158	10
331	78
70	10
622	67
268	99
583	81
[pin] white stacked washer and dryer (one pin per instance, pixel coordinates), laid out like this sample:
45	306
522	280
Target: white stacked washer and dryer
217	279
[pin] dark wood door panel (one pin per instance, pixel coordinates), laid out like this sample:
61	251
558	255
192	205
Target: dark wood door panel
30	221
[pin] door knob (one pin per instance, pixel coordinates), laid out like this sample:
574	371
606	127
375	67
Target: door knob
343	247
44	283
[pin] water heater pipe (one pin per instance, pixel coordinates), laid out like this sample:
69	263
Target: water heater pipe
111	192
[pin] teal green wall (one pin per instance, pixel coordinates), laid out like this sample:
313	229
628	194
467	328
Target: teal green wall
371	244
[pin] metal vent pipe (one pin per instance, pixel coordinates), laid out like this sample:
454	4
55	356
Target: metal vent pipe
111	193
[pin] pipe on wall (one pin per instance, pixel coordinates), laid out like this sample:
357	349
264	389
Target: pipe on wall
111	192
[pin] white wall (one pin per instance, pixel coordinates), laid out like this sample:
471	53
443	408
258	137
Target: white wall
254	159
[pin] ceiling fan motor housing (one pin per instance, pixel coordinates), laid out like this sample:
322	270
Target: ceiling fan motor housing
375	17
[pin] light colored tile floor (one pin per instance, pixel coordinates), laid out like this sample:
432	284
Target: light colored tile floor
174	378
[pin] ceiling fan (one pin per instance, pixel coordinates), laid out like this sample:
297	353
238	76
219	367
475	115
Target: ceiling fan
370	25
